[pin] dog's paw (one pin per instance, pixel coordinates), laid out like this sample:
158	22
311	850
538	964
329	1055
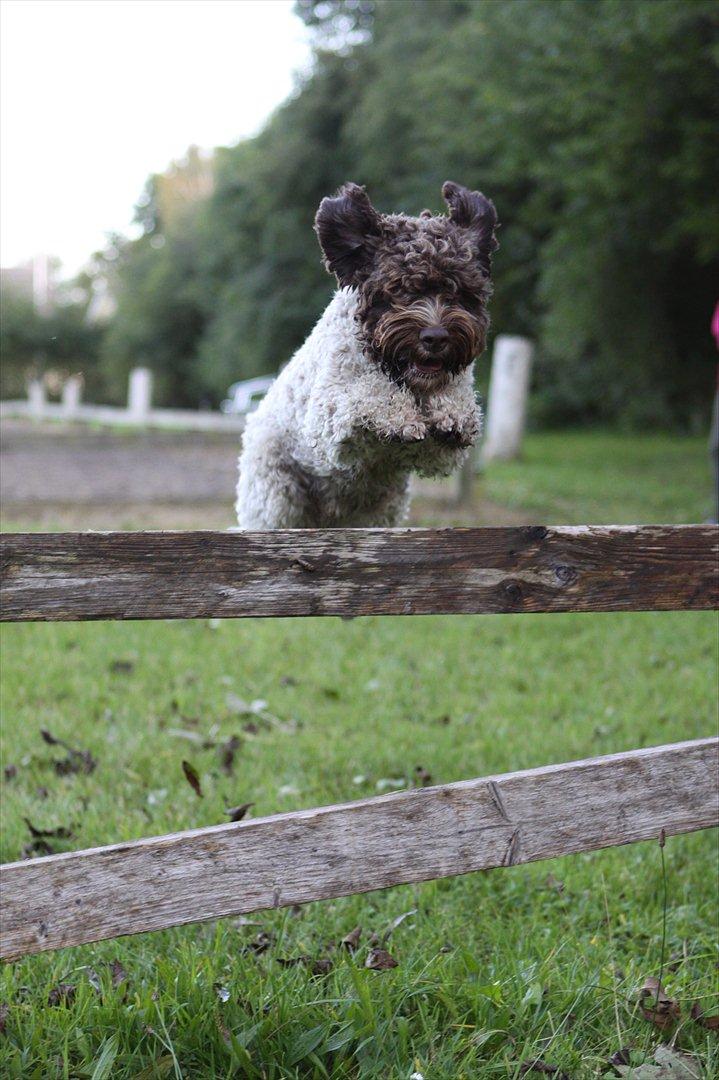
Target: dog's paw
456	440
455	436
409	434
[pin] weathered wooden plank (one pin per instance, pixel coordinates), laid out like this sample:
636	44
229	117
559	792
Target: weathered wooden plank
358	572
355	847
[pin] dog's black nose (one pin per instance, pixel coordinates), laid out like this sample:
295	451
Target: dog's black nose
434	338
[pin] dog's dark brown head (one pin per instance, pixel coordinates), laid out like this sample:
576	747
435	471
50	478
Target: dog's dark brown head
423	282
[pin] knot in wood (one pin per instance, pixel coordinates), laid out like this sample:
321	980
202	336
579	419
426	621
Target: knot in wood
536	532
513	591
302	564
565	575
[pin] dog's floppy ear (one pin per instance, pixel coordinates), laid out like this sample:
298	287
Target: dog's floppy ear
348	227
472	210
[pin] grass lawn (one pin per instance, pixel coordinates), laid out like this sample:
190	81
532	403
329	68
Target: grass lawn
494	969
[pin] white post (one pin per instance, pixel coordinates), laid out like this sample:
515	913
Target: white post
36	397
72	395
140	393
507	400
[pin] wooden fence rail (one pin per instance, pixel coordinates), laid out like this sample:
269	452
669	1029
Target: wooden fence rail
331	851
189	575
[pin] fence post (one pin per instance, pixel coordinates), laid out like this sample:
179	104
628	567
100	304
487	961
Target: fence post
36	397
507	401
140	393
72	395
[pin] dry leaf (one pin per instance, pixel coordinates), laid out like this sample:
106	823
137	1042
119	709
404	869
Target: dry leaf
398	921
261	943
36	847
62	994
540	1066
351	940
380	960
656	1006
61	833
76	760
236	813
118	973
709	1022
192	777
227	752
122	667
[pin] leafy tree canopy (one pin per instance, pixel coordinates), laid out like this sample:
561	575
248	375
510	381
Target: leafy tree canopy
594	128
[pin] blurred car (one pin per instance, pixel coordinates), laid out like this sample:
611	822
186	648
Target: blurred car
244	397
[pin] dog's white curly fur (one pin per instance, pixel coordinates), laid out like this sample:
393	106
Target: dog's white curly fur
334	441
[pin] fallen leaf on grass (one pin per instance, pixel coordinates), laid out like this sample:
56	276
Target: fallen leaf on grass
656	1006
118	973
380	960
36	847
351	940
236	813
377	938
540	1066
192	777
700	1017
60	833
260	944
62	994
227	751
77	761
10	772
671	1065
122	667
4	1013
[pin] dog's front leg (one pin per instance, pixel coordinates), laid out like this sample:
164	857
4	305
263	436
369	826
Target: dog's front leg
354	427
454	417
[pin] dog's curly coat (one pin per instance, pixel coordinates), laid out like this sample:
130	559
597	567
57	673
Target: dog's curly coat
384	385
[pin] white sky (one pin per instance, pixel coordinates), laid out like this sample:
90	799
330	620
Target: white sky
98	94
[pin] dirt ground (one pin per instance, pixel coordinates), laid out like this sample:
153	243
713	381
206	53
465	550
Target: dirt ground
76	477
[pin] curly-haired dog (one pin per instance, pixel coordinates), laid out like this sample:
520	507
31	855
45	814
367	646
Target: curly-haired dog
383	386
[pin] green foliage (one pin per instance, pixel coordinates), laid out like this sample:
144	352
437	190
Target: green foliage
31	343
592	125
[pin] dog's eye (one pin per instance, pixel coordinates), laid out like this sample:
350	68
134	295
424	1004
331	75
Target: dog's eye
468	300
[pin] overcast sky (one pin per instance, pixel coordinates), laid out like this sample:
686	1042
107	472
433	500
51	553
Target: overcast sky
97	94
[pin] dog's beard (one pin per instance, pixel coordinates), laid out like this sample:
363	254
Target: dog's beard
395	343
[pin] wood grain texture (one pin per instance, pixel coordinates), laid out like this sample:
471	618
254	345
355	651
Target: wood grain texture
352	848
70	576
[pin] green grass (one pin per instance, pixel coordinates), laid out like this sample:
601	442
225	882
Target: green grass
494	969
593	478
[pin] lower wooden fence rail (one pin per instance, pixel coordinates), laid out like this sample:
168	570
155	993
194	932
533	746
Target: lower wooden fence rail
354	847
331	851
